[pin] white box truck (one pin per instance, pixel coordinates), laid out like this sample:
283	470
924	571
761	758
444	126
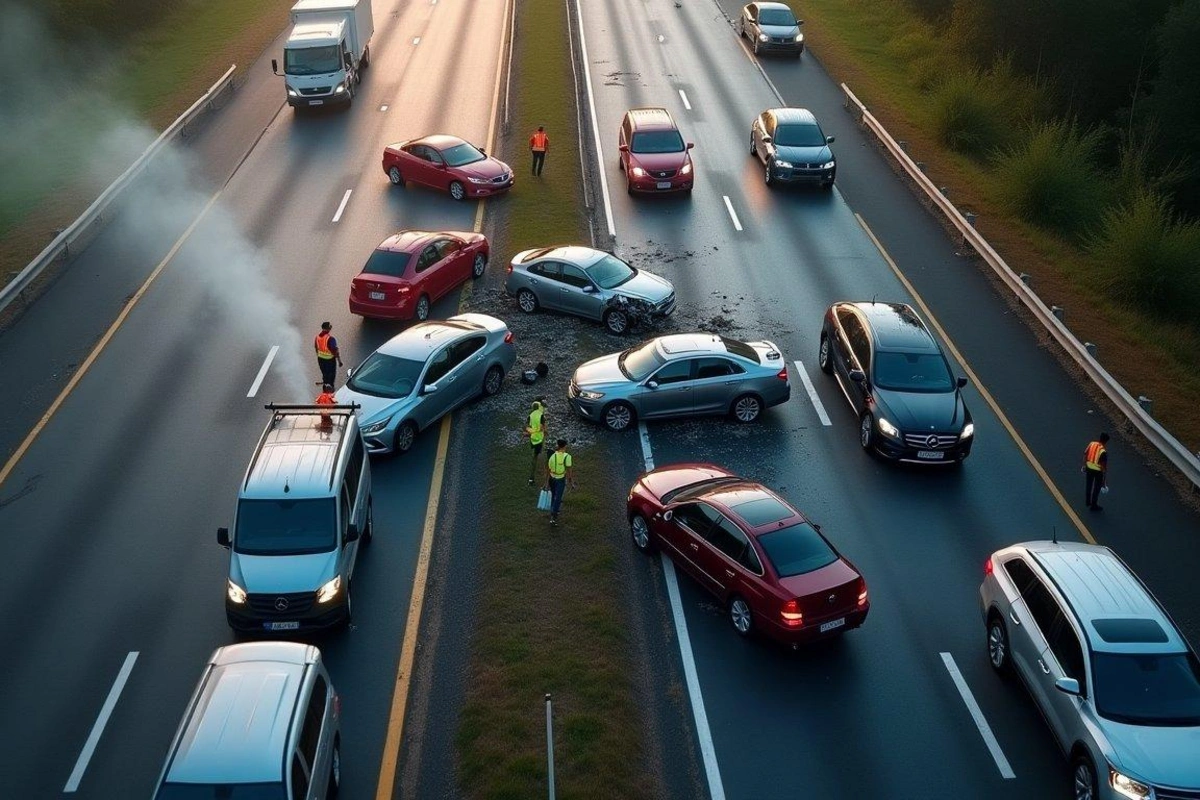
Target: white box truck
326	52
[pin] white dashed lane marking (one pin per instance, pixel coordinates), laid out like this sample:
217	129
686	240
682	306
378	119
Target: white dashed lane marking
737	224
342	205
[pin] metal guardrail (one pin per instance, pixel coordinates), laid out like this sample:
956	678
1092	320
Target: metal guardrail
1187	463
61	245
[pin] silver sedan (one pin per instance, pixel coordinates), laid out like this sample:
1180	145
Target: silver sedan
424	373
681	374
589	283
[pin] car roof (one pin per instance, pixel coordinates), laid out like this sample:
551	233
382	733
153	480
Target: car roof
420	341
756	506
651	119
689	344
772	6
574	254
896	326
438	141
406	241
793	116
297	457
243	712
1100	587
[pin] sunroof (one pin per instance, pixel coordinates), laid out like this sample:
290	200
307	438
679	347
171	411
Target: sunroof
1129	631
762	511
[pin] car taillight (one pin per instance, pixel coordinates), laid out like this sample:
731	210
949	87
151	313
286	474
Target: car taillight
790	613
402	289
508	268
987	567
508	338
782	374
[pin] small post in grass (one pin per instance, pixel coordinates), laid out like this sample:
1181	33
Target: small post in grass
550	744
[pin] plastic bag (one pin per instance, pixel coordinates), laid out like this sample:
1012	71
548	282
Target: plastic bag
543	503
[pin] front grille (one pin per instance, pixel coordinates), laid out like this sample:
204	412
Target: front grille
505	178
573	390
665	304
782	39
317	90
931	441
664	173
1176	794
297	603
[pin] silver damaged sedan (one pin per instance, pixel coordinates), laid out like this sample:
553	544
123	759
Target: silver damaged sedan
678	375
424	373
589	283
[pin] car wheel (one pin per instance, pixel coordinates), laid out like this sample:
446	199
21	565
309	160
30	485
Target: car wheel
493	380
369	529
366	59
828	187
740	616
824	357
348	617
395	177
639	531
457	191
746	408
997	644
527	301
866	431
629	187
620	163
618	416
1084	778
406	434
617	322
756	48
753	149
479	265
741	29
335	770
768	178
423	308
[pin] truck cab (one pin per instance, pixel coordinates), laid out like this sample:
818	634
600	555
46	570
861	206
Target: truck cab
326	52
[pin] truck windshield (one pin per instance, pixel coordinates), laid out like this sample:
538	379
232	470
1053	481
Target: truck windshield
312	60
286	527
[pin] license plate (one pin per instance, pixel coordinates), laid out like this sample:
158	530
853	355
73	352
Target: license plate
835	623
377	295
931	455
316	102
282	626
664	184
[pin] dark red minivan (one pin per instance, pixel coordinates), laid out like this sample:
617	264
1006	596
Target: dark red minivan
407	272
772	569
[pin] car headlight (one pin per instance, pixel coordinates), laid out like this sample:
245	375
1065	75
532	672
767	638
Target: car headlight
1127	786
479	180
784	164
330	590
799	37
968	431
374	427
586	395
638	172
687	169
887	428
762	37
341	87
235	593
829	165
292	92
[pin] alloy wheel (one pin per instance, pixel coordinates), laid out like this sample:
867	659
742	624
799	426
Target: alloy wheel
617	321
739	615
640	532
1085	780
997	641
335	771
492	381
747	408
866	431
618	416
405	436
527	301
767	177
479	265
423	308
457	191
823	356
395	177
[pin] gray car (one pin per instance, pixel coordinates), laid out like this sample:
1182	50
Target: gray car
678	375
424	373
771	27
793	148
589	283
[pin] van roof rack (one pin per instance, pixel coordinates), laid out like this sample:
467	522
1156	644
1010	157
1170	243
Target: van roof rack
311	408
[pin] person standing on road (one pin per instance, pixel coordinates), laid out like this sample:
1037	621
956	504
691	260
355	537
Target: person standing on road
536	428
327	354
539	144
1095	469
558	472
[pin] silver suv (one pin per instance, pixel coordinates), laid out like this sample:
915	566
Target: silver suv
262	723
1112	675
303	510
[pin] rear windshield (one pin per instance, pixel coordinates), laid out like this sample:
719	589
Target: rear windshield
796	549
741	349
286	527
387	262
638	362
776	16
912	372
386	376
1147	689
657	142
798	136
223	791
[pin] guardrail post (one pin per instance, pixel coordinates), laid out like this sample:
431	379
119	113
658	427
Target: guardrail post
944	191
1026	278
1058	312
903	145
1091	348
971	217
921	165
550	745
1146	404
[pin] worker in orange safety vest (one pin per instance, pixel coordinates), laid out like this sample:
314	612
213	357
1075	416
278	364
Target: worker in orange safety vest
539	143
326	398
327	353
1095	469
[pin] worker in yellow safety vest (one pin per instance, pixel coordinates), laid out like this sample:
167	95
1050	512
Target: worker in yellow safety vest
558	472
536	428
1095	469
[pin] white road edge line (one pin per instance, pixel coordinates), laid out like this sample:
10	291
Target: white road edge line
89	747
708	752
683	97
383	108
812	393
587	76
417	40
732	214
262	371
981	722
342	205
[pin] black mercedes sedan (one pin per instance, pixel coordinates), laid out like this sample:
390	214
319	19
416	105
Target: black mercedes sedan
897	380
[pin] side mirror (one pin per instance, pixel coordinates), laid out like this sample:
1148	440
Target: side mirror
651	384
623	148
349	62
1067	686
766	139
961	382
349	372
858	376
223	537
668	514
799	22
429	388
829	140
351	533
589	289
690	145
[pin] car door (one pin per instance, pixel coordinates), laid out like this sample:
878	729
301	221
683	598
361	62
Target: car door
1031	653
349	550
668	392
691	523
314	746
579	294
750	20
766	128
729	558
433	400
425	272
717	381
858	357
547	284
416	165
1064	659
466	376
448	269
458	256
439	176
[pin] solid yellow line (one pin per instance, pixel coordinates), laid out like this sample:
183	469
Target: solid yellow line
395	733
11	464
987	396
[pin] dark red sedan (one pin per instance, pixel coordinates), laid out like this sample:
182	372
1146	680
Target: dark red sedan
772	569
411	270
447	163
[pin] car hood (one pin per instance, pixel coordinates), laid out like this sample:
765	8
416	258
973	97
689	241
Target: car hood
923	412
283	574
599	371
780	30
660	161
821	154
1158	754
373	409
645	286
489	168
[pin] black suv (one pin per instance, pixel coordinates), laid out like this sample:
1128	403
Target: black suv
898	381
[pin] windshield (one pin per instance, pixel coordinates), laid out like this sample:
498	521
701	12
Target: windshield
799	136
912	372
387	262
286	527
312	60
638	362
462	154
776	16
657	142
386	376
1147	689
796	549
223	791
610	272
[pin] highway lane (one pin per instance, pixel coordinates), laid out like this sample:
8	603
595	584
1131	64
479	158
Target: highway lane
114	549
877	714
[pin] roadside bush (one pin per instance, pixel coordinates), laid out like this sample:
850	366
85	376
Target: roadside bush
1051	178
116	18
967	116
1145	253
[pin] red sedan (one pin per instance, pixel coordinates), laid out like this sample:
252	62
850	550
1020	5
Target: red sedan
411	270
447	163
772	569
